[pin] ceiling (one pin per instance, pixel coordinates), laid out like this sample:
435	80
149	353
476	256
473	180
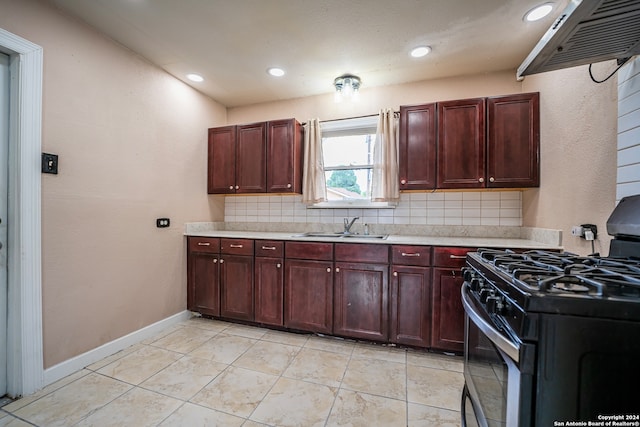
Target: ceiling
232	43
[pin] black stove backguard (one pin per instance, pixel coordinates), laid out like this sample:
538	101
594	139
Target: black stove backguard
624	226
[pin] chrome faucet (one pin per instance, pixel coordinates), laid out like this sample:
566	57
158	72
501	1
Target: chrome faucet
348	224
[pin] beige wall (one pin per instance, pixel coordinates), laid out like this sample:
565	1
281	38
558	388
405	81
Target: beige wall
132	147
578	123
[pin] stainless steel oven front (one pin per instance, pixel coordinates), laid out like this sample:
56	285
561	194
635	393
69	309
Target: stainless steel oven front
498	378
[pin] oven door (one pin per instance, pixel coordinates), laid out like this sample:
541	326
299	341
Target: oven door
497	391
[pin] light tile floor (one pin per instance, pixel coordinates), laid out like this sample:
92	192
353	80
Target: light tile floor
210	373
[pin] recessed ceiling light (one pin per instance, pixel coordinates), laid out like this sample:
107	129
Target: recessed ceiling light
538	12
195	77
276	72
420	51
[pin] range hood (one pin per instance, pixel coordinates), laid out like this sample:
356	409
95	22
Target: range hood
587	31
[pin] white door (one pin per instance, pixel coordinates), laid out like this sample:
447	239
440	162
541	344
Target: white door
4	150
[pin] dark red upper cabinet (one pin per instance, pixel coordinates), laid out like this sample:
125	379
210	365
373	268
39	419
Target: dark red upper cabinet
284	156
417	147
461	144
513	138
222	160
251	154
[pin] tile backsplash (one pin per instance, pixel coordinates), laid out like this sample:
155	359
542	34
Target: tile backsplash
497	208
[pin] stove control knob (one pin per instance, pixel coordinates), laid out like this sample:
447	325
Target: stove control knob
495	304
485	294
476	284
467	274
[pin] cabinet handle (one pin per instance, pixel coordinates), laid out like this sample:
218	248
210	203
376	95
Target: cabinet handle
237	187
403	181
492	179
288	185
410	254
458	256
231	187
235	246
480	179
269	248
204	244
328	270
278	265
395	274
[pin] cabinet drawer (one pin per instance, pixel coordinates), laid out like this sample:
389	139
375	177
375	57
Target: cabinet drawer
269	248
236	246
204	244
310	251
450	257
411	255
354	252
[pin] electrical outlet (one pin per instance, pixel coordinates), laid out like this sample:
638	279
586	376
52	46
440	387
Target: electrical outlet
163	222
577	231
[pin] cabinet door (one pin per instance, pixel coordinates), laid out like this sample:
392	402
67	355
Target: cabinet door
284	156
221	171
417	147
361	308
513	132
461	144
308	295
269	286
236	287
251	173
203	290
447	331
410	306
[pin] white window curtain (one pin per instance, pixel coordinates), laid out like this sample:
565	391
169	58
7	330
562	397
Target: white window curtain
384	186
313	183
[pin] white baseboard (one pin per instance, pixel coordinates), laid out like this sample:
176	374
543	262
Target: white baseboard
76	363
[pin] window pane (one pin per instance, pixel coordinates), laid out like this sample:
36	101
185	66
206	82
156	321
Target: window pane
348	184
353	150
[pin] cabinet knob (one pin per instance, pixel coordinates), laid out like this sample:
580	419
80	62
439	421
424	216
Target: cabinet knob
237	187
288	185
492	179
215	260
278	265
395	274
221	261
403	181
328	270
337	269
480	179
231	187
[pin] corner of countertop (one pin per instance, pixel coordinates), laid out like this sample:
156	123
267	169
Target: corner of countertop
546	236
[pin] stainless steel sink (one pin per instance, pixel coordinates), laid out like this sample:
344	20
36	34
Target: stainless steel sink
331	234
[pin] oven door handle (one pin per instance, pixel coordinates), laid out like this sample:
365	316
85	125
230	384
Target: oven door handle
509	348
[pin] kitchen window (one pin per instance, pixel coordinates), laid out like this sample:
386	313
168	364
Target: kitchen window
347	150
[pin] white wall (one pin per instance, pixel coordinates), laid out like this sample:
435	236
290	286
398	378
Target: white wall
628	178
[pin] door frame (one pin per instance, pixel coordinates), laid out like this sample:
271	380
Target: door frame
25	363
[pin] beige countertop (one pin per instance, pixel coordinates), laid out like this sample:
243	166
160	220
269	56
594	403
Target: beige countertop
475	242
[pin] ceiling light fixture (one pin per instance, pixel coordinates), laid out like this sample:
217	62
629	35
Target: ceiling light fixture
276	72
538	12
347	86
420	51
195	77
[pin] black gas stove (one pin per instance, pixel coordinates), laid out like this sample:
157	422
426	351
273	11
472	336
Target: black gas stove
551	337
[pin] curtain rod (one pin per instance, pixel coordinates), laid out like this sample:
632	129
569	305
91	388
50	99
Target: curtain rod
395	113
